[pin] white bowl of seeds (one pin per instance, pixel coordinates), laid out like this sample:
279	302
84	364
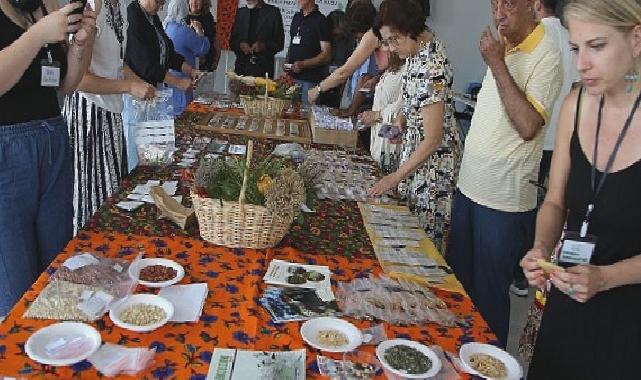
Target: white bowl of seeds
142	312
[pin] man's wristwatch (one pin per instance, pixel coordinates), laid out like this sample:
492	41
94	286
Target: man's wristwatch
318	87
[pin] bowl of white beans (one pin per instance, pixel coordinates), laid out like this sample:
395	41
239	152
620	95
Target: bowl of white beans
142	312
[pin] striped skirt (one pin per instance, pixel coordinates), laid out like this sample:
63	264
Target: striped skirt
99	155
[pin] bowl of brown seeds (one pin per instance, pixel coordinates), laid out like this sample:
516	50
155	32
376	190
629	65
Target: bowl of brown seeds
156	273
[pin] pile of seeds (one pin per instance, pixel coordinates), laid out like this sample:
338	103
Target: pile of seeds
58	300
157	273
142	314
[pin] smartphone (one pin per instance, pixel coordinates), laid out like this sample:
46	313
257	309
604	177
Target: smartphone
389	131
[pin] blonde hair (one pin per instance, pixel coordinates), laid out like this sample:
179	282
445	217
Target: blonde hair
623	15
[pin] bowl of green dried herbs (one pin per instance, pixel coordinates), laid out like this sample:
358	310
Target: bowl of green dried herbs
406	359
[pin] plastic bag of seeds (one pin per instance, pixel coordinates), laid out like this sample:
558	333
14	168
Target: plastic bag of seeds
90	268
83	288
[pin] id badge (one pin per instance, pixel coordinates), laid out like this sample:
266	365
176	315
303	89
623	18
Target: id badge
49	73
296	40
577	250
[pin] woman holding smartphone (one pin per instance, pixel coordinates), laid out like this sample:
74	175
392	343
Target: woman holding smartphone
36	62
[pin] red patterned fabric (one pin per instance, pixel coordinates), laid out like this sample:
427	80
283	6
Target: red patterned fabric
226	14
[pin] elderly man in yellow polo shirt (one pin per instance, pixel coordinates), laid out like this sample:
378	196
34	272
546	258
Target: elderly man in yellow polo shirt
494	211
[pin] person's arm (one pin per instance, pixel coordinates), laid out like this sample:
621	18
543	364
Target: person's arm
183	84
135	86
553	211
526	111
175	60
365	48
79	55
321	59
198	44
433	126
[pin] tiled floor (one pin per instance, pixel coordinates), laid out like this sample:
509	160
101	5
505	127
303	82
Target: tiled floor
518	316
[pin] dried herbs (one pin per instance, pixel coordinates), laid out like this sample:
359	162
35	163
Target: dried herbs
407	359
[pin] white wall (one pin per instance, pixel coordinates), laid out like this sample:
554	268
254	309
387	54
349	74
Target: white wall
459	23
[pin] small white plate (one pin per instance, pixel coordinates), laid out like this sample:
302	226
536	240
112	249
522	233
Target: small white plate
149	299
137	266
309	331
386	345
514	370
37	343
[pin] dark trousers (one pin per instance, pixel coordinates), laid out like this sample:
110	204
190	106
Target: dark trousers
484	246
36	211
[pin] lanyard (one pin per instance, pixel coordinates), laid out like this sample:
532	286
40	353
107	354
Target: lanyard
33	20
596	189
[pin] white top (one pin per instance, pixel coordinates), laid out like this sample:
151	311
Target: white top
557	32
107	59
498	164
387	100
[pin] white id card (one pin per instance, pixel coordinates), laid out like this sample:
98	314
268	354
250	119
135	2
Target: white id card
296	40
577	250
49	74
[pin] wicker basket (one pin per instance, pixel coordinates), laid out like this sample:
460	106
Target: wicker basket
236	224
260	108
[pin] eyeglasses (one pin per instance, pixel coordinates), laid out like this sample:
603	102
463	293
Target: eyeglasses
392	40
509	5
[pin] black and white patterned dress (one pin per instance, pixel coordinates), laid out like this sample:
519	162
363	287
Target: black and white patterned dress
429	190
95	121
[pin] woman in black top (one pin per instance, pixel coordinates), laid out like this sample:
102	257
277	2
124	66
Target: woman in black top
199	11
150	52
35	167
590	328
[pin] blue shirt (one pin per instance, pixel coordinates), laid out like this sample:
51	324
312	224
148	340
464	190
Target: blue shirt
190	45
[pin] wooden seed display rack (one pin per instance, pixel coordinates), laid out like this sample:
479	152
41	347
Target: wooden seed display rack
281	129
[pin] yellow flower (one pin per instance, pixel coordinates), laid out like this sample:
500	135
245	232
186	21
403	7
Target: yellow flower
263	183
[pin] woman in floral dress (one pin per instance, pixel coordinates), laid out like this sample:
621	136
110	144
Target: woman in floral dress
431	144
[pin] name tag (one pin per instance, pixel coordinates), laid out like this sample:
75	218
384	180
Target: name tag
296	40
49	74
576	250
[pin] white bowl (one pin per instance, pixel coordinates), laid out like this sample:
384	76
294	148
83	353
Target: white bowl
309	331
35	346
514	370
137	266
149	299
384	346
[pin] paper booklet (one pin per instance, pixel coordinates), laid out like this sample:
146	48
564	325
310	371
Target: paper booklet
230	364
298	275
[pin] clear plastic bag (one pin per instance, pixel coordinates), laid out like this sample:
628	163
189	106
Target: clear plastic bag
83	288
112	359
399	302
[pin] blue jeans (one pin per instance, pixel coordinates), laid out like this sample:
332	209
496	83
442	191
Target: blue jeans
483	248
36	210
305	87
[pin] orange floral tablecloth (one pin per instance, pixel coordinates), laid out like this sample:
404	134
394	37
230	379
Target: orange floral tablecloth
232	316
